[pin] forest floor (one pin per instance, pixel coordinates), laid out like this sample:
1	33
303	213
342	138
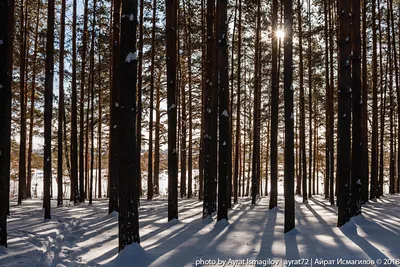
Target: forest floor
84	235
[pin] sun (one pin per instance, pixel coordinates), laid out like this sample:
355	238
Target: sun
280	34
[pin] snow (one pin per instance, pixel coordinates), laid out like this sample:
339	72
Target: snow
84	235
130	57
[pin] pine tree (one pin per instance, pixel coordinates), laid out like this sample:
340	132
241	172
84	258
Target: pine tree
365	157
236	183
374	148
310	159
113	144
223	86
303	162
48	108
189	64
81	105
256	111
150	157
344	115
289	118
61	109
171	31
128	218
356	164
139	105
274	110
209	139
22	143
74	130
396	70
93	36
327	98
6	28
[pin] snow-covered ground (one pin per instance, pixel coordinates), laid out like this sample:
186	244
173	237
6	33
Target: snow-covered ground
84	235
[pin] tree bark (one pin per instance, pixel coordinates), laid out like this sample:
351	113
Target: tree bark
289	119
224	115
61	109
113	144
274	111
374	146
74	130
81	105
6	51
22	142
344	115
171	32
48	107
128	201
150	157
209	139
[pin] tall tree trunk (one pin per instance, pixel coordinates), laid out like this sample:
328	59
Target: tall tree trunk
374	145
48	107
128	201
100	123
327	103
331	112
236	185
171	32
139	106
87	165
267	150
209	140
390	63
303	162
224	115
256	129
396	69
22	142
6	30
113	144
74	130
382	106
274	110
189	65
81	105
289	119
203	89
32	107
364	109
110	66
315	150
310	159
157	139
61	109
150	157
344	115
356	164
92	102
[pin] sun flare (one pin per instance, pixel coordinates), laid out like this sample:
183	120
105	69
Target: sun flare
280	34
